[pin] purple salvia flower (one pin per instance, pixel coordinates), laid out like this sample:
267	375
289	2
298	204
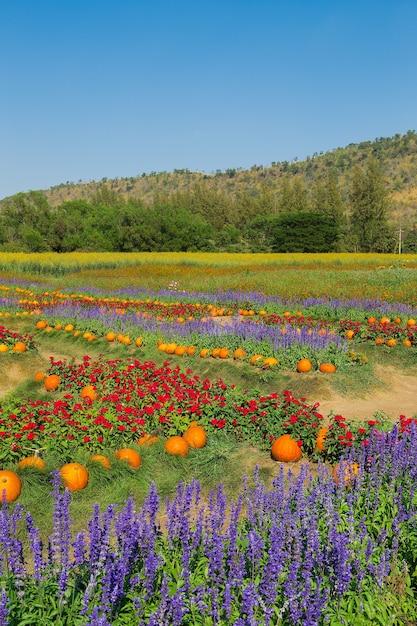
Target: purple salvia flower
36	547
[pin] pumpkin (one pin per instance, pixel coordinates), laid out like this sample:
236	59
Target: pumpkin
147	440
350	334
371	320
286	449
411	323
215	352
41	324
101	458
256	359
224	353
89	392
129	456
269	363
239	354
39	377
407	343
51	382
304	365
111	336
327	368
32	461
204	353
170	349
126	340
321	436
195	436
69	328
177	446
19	346
74	476
391	342
191	350
384	320
4	347
346	470
11	484
379	341
180	350
138	342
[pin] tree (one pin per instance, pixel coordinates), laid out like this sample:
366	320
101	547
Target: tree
369	202
304	232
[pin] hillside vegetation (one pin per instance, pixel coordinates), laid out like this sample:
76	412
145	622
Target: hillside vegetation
326	202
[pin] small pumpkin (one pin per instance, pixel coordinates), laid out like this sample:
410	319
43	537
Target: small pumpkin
11	484
327	368
239	354
256	359
346	472
39	377
269	363
19	346
321	436
147	440
204	353
4	347
89	392
32	461
391	342
74	476
101	458
51	382
304	365
224	353
129	456
177	446
195	436
286	449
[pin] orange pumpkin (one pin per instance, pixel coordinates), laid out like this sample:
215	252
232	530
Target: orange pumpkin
41	324
350	334
215	352
74	476
224	353
286	449
89	392
177	446
256	359
101	458
4	347
321	436
170	349
304	365
384	320
138	342
345	471
32	461
204	353
195	436
180	350
379	341
147	440
69	328
39	377
111	336
191	350
11	484
391	342
129	456
19	346
327	368
51	382
239	354
269	363
411	323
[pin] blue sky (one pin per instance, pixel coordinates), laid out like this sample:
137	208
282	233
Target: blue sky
93	89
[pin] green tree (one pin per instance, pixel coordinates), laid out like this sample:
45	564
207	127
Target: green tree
304	232
369	204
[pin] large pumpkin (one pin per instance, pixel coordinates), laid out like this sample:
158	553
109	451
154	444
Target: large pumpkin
177	446
19	346
286	449
51	382
74	475
129	456
195	436
11	484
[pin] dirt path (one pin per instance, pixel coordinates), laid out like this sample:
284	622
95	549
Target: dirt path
399	396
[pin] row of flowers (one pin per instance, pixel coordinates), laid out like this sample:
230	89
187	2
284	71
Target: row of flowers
305	552
132	398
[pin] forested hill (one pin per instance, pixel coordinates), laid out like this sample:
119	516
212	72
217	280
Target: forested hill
397	156
368	190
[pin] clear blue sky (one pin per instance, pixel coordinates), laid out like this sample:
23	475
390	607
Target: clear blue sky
102	88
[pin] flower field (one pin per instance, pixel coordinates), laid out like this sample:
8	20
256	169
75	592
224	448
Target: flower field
184	377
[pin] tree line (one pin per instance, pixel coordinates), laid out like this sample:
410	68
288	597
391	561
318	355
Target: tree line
319	218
